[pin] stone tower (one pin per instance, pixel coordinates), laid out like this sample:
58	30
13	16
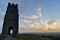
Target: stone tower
11	19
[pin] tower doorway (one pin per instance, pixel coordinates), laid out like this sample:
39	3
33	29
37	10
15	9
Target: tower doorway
10	30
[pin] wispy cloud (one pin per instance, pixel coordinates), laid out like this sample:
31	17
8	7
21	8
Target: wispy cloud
27	21
38	10
37	23
30	17
34	16
44	27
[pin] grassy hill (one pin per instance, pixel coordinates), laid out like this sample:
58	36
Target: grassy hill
28	37
32	37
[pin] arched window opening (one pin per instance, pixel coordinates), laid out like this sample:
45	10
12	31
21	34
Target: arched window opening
10	31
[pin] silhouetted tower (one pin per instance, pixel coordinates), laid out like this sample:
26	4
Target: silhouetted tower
11	19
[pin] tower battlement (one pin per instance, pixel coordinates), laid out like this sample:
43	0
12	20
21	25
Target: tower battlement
12	5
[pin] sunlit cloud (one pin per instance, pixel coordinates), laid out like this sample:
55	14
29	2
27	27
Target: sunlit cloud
44	27
30	17
34	16
27	21
37	23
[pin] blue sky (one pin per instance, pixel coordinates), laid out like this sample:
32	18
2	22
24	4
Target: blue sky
29	11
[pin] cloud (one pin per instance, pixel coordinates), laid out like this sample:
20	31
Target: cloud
34	17
27	21
37	23
39	9
44	27
30	17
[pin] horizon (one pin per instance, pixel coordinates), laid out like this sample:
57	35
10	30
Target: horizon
34	16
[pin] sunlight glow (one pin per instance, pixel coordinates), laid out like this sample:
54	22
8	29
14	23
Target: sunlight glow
45	27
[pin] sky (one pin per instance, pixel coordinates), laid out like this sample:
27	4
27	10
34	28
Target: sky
34	15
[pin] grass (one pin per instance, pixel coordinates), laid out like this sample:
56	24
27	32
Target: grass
28	37
32	37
